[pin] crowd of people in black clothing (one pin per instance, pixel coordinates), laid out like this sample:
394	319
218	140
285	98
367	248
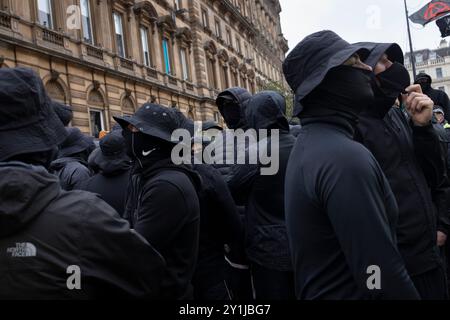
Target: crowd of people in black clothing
362	185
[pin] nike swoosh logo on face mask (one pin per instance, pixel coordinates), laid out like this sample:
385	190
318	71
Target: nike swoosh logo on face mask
146	154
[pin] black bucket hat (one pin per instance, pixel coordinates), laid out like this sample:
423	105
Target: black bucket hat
76	142
392	50
154	120
28	123
310	61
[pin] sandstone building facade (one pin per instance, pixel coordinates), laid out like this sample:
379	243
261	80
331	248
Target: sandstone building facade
106	58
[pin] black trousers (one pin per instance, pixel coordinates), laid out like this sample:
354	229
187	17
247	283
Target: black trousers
272	284
432	285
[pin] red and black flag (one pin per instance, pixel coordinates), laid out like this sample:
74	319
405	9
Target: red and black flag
434	10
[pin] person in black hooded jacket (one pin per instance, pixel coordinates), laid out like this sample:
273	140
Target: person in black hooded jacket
263	197
162	203
340	211
409	151
71	166
58	245
439	97
114	167
231	103
220	228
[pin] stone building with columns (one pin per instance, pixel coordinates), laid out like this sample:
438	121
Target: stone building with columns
106	58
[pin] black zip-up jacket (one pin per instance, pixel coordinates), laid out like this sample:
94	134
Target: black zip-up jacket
263	195
220	225
341	217
163	206
44	230
413	163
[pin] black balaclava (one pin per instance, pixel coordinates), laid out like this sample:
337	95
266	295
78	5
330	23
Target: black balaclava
425	83
344	92
145	149
391	83
231	112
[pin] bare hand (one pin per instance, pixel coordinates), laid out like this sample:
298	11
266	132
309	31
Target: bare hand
419	106
441	239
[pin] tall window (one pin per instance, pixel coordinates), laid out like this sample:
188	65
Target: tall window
205	18
229	39
224	77
178	4
86	21
97	122
419	58
45	13
235	79
246	51
184	64
118	28
238	45
218	29
166	53
211	65
145	47
439	74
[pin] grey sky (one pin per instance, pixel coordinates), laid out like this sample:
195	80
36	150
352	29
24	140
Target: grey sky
357	20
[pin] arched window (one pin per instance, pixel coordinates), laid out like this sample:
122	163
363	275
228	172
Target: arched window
224	77
56	91
211	51
234	64
128	105
96	105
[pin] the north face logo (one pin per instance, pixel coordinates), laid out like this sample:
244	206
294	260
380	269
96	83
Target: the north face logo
22	250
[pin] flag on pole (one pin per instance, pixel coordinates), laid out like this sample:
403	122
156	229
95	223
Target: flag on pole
434	10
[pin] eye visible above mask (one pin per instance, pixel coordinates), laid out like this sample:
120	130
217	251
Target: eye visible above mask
394	80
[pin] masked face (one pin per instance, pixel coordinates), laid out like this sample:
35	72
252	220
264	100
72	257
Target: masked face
142	147
232	114
388	85
425	84
345	90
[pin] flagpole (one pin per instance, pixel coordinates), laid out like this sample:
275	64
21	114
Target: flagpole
413	58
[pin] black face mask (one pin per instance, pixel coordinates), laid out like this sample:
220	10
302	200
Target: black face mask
232	114
394	80
424	84
144	148
391	83
345	91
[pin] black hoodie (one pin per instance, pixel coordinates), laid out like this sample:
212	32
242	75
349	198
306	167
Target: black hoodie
263	195
439	97
340	211
242	97
163	206
44	230
412	161
111	182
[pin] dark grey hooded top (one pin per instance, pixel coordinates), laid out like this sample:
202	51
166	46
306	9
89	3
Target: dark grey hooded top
44	230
